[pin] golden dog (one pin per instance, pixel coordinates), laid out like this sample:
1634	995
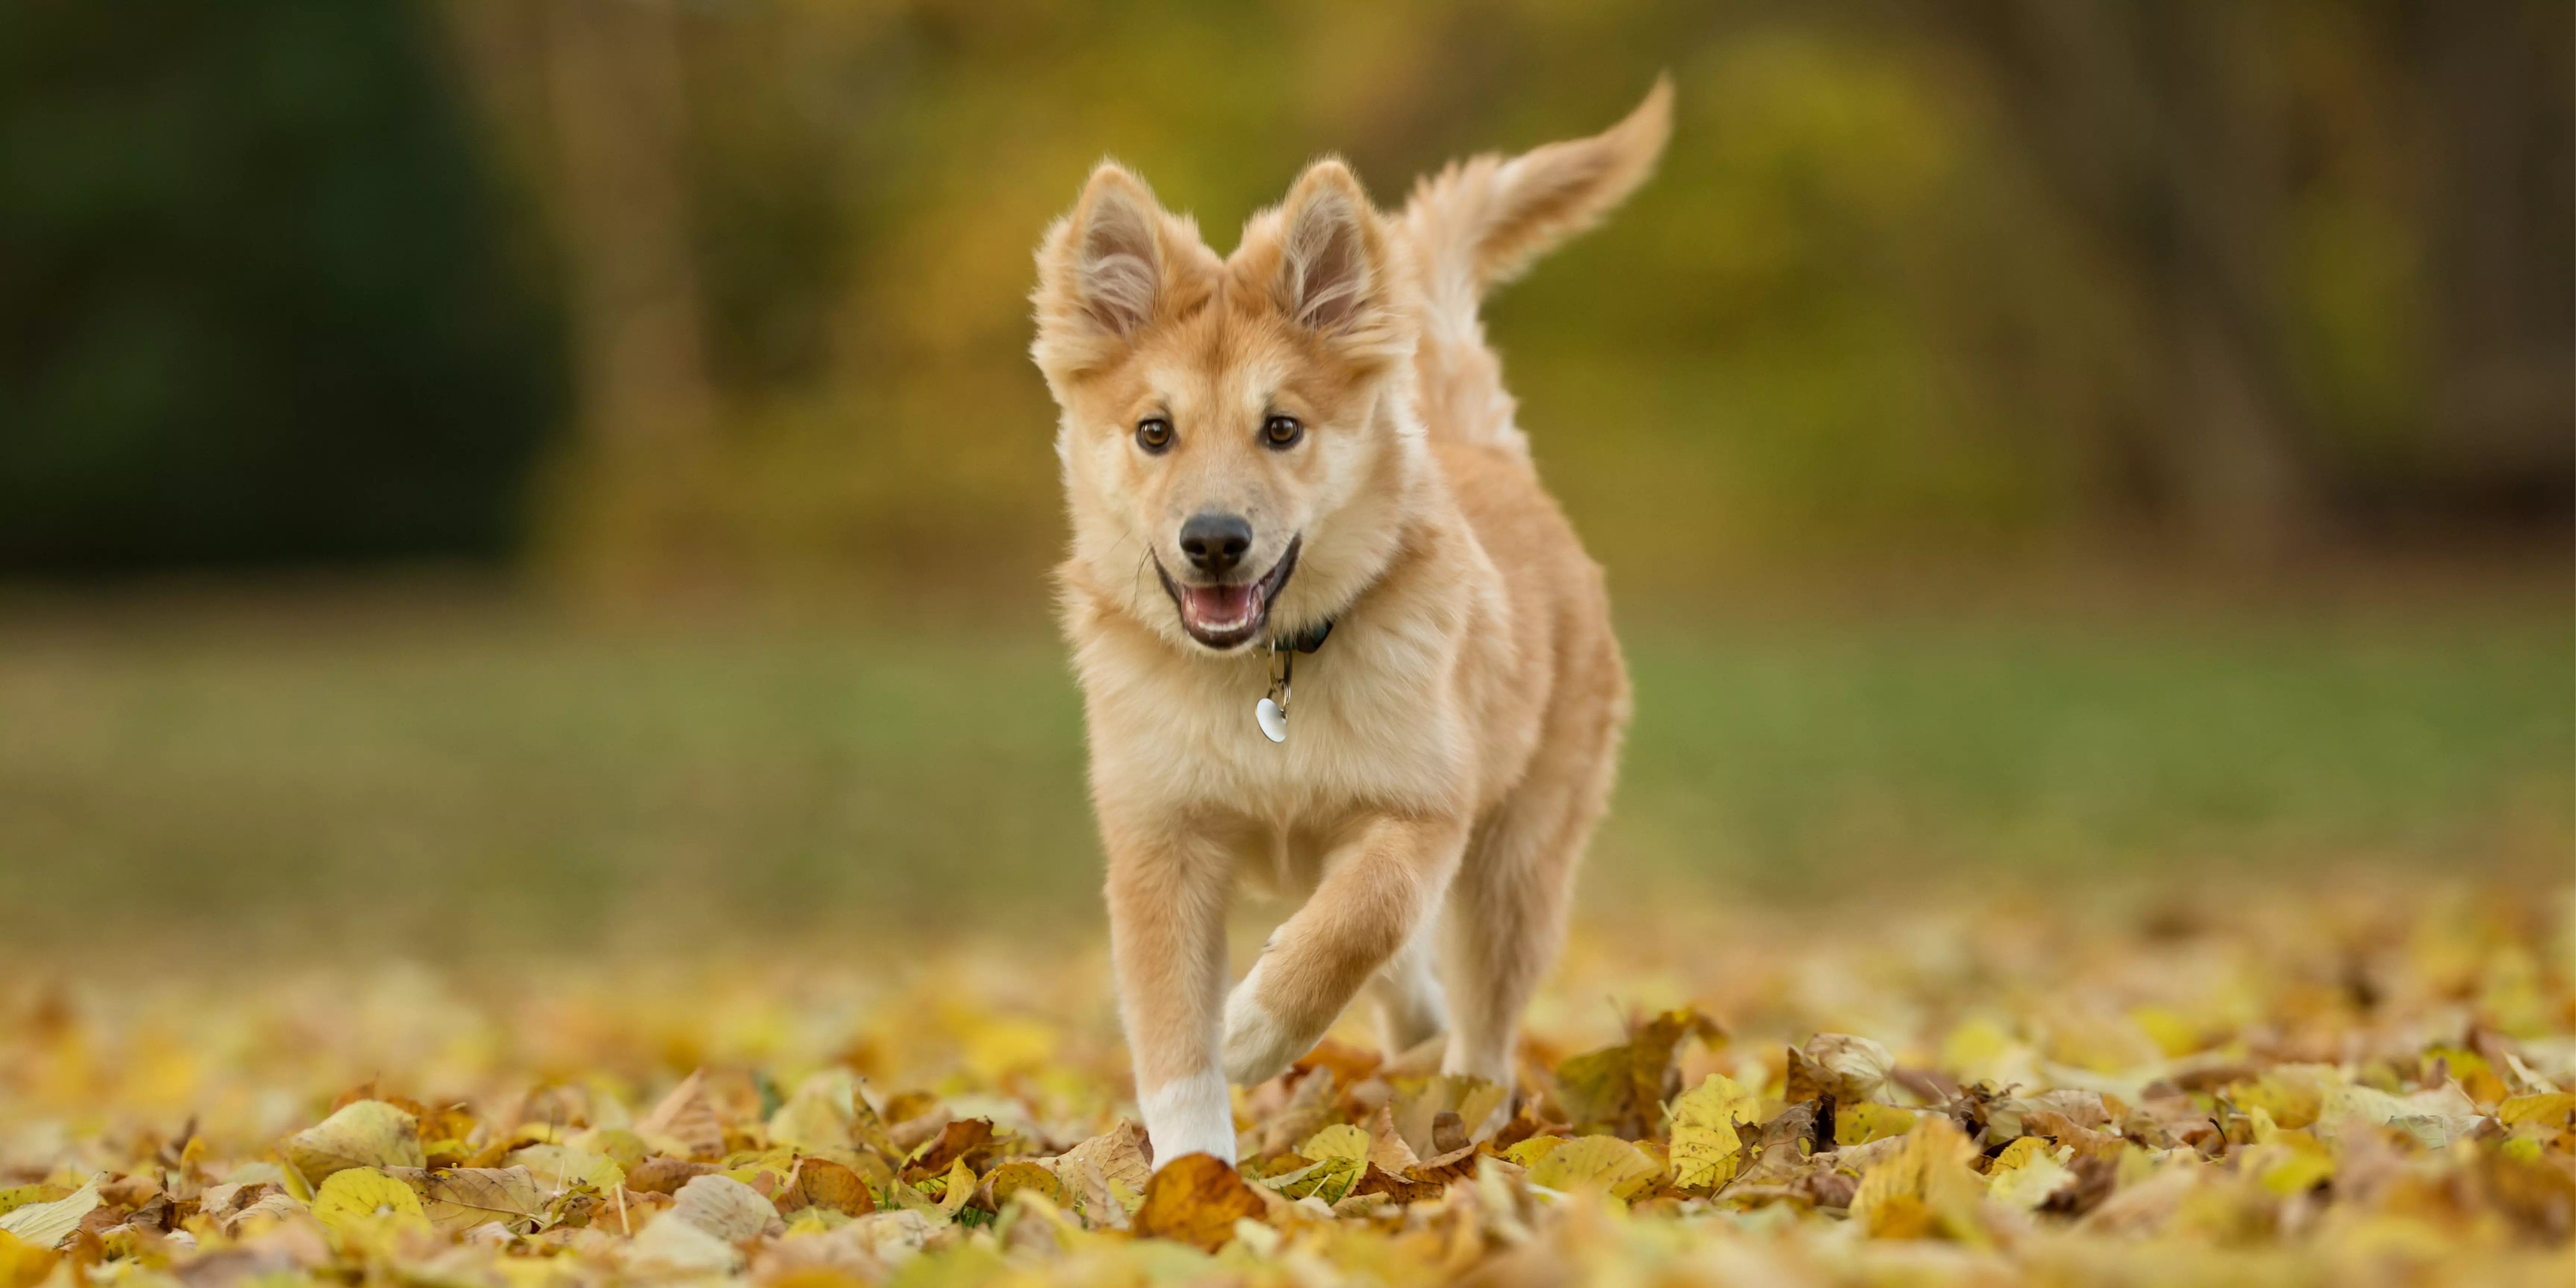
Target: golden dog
1329	627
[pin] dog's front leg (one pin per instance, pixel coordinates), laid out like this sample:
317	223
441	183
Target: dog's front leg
1384	881
1167	894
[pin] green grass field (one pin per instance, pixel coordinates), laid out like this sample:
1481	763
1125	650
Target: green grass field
288	779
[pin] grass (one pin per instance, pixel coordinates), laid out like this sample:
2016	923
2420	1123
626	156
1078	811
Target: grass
471	779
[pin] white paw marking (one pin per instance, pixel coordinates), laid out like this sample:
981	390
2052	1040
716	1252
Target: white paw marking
1191	1115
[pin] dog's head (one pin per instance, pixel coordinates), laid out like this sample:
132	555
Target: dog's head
1233	430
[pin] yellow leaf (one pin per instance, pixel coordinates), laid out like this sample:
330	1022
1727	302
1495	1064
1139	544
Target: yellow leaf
1604	1163
1925	1188
1706	1150
1340	1141
561	1167
1866	1121
2018	1154
1618	1088
1528	1152
961	1187
46	1225
357	1202
23	1264
364	1133
2028	1183
1196	1199
1329	1179
2549	1109
15	1197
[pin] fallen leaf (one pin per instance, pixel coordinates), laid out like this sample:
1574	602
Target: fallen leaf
1023	1177
1924	1189
1339	1141
687	1118
1705	1145
355	1201
665	1175
1196	1199
822	1183
363	1133
1840	1065
561	1167
462	1198
1622	1088
1602	1163
47	1224
1866	1121
727	1209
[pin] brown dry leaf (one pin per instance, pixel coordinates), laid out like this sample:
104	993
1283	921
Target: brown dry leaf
1405	1189
1456	1165
363	1133
665	1175
1622	1089
1387	1150
686	1119
727	1208
968	1140
1196	1199
822	1183
1348	1063
460	1198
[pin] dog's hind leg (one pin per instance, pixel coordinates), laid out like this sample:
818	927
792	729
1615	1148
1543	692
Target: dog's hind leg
1383	882
1411	1008
1507	909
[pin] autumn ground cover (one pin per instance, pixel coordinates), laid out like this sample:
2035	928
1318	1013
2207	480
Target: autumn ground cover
2228	954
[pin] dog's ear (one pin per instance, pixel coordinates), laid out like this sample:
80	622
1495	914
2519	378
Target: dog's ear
1334	274
1104	271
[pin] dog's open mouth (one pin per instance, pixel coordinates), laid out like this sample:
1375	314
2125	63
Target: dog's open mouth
1225	615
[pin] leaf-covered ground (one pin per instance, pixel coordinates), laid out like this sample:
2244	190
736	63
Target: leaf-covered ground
2342	1082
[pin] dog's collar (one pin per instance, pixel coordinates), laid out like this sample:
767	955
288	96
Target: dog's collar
1305	641
1271	713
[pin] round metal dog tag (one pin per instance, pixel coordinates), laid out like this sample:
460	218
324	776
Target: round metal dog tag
1274	722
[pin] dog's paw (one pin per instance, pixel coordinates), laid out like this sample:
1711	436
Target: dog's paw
1257	1046
1191	1115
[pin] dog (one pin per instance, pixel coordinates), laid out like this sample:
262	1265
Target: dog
1330	629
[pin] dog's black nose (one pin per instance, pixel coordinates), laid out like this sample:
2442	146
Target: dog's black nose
1215	542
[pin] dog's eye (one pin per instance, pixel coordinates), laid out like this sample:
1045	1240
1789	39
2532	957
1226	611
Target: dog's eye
1282	431
1153	433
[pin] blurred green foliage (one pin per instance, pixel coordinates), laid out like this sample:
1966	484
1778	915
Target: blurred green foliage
258	297
1965	278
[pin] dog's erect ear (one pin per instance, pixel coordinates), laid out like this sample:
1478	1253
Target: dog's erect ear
1331	254
1116	265
1105	271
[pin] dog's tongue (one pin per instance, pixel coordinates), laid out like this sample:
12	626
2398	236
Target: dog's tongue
1219	608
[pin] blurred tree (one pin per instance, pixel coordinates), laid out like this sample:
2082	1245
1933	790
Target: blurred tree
2173	132
259	300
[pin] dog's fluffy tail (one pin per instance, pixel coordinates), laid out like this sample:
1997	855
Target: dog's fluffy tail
1480	222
